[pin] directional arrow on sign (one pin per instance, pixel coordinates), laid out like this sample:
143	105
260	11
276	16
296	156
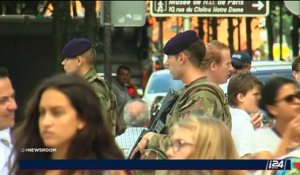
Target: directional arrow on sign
259	5
165	8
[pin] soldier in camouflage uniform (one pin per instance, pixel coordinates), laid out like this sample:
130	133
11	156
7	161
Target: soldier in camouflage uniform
185	52
80	57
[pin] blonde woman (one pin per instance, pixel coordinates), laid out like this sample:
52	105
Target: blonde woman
202	138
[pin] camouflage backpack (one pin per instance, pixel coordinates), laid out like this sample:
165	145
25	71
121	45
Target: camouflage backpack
107	98
189	96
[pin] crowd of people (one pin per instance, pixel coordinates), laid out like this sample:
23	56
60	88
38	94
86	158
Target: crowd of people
217	115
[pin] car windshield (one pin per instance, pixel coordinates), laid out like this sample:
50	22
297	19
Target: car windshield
162	83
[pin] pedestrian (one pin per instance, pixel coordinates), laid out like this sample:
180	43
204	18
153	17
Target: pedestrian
296	68
241	63
217	62
137	118
243	96
200	137
64	115
120	89
80	57
185	53
8	107
280	98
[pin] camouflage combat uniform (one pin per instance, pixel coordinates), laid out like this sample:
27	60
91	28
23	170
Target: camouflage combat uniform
191	99
107	97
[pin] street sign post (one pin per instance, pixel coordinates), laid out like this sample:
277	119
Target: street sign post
187	8
126	13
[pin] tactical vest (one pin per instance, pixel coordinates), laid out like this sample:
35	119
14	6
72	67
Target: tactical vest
188	97
107	98
156	146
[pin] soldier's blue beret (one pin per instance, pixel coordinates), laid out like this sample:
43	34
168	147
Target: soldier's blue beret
76	47
238	59
180	42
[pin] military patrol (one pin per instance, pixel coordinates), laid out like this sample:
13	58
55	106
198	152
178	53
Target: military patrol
185	53
80	57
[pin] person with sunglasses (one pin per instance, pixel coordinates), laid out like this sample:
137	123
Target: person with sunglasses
200	137
280	99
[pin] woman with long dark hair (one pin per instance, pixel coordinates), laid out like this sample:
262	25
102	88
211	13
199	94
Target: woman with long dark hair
64	114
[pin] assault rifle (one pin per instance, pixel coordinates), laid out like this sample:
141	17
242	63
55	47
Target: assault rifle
157	124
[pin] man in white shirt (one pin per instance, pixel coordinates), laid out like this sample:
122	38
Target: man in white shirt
8	107
137	118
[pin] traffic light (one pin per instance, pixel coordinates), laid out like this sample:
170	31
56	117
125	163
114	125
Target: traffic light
149	26
149	21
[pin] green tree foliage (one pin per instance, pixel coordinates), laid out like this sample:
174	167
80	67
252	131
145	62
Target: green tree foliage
21	7
290	26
